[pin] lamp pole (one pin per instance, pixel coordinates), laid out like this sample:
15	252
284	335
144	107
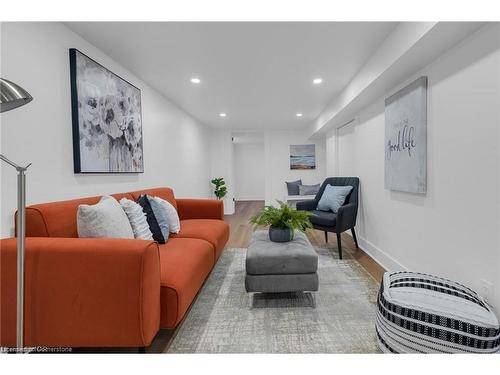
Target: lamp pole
13	96
21	236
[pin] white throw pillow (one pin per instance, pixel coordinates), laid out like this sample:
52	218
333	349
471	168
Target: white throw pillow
104	219
174	223
137	219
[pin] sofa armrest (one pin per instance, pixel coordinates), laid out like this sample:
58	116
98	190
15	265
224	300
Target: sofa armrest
83	292
200	209
309	205
346	217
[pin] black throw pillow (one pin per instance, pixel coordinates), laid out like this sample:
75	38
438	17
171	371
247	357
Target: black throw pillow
151	219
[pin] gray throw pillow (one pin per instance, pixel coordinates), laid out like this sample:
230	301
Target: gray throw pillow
333	197
293	187
104	219
161	216
174	224
308	189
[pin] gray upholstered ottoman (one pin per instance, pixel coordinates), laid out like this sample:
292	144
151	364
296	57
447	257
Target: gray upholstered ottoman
281	267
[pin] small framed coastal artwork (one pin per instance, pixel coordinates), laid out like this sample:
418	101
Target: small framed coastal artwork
406	138
303	156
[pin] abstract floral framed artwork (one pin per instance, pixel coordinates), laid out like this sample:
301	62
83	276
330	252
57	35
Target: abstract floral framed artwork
107	119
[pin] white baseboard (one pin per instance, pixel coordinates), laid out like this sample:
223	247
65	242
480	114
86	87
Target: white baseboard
380	256
248	199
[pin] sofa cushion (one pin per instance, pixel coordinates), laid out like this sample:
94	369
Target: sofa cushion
163	193
185	263
58	219
215	232
324	218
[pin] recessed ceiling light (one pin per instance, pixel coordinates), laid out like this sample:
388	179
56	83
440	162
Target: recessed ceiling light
298	114
195	80
222	114
317	81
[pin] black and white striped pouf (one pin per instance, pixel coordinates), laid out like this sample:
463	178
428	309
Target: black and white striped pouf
419	313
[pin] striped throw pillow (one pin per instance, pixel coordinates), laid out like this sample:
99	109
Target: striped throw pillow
137	219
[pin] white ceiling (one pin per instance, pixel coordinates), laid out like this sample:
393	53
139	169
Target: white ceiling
260	74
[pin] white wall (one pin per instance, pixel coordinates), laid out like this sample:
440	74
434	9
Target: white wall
452	230
331	154
35	55
275	165
249	171
277	162
222	164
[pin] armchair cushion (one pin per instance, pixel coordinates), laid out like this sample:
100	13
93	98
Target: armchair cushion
308	205
333	197
323	218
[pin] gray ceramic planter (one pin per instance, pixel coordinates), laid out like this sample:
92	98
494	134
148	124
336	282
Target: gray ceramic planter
280	235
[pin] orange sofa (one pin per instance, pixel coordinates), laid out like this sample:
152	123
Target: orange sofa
93	292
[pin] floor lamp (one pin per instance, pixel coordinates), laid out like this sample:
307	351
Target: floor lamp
13	96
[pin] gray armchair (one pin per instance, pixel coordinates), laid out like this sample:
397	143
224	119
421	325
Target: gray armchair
328	221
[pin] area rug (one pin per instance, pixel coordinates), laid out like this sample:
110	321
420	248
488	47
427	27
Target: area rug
338	319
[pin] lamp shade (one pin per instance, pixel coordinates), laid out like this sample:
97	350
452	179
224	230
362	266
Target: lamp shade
12	95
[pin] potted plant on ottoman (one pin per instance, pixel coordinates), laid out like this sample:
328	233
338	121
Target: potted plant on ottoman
282	221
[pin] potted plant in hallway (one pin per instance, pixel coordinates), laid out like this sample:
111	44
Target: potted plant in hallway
282	221
220	187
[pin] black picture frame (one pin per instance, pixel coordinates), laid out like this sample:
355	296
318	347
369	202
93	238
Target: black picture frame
75	117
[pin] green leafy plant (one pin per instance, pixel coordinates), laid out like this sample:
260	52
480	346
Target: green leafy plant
282	217
220	187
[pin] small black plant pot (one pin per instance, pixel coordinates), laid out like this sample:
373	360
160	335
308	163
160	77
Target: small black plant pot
280	235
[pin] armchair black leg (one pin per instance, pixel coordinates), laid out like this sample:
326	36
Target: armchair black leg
339	245
326	237
354	237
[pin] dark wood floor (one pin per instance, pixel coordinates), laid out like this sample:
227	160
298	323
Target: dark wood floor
241	231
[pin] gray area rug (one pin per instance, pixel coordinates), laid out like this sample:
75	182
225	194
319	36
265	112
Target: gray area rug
226	319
